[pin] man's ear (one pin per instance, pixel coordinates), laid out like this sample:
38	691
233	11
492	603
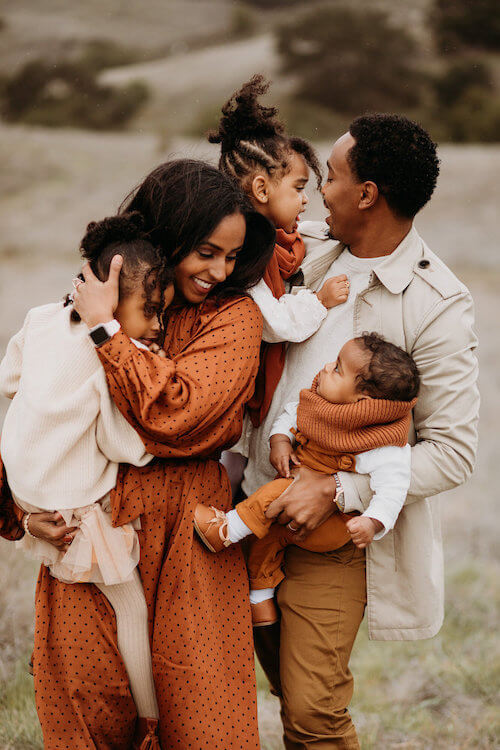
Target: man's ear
369	195
260	189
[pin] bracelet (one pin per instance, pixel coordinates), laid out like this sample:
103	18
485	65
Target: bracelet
26	527
339	498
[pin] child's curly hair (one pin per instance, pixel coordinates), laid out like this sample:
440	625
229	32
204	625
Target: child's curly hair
252	137
391	372
142	262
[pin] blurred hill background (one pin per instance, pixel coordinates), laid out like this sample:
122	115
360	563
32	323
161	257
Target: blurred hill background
93	95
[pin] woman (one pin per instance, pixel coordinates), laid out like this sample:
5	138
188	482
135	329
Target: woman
187	407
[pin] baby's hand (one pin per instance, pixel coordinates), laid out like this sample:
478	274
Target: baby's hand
281	454
334	291
362	530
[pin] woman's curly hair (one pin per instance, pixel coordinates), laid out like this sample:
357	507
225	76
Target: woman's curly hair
252	137
391	372
143	263
399	156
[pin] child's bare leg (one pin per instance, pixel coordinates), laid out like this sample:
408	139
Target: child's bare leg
127	599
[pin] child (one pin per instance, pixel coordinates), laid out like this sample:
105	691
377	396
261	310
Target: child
63	437
273	169
355	417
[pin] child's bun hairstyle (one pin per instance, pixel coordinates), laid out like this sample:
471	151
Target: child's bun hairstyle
391	372
142	262
252	136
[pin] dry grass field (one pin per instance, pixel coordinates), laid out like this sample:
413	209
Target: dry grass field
440	694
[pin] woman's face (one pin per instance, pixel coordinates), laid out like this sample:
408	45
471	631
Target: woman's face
212	261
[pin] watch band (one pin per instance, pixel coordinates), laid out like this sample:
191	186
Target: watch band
102	333
339	498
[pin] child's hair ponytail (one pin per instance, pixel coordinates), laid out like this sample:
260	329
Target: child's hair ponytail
142	262
252	136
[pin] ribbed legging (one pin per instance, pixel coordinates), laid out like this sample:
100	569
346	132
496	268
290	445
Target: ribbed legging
127	599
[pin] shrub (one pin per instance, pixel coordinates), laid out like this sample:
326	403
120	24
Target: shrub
68	94
461	76
351	60
469	23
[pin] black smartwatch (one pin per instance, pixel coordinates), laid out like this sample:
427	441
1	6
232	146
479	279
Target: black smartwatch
100	335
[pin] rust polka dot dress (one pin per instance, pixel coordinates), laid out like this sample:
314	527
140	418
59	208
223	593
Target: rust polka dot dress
186	408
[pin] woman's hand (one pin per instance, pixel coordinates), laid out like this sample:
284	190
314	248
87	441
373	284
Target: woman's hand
52	529
306	503
96	301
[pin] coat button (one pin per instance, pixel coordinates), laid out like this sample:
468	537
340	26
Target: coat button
424	263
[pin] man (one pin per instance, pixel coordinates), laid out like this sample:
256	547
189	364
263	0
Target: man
380	174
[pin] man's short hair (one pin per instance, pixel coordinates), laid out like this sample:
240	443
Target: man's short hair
398	156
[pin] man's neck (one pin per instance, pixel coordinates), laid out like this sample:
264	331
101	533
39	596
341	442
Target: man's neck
376	241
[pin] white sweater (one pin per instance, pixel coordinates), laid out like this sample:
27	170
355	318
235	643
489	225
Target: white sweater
389	468
63	437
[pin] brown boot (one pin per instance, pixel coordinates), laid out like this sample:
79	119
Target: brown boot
146	734
264	613
267	647
211	526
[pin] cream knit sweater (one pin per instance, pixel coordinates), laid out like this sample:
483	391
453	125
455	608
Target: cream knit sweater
63	437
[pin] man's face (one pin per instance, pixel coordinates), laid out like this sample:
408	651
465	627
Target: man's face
342	193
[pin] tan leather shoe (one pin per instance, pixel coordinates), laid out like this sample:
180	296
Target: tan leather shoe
264	613
211	526
146	734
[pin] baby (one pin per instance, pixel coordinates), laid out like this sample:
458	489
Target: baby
355	417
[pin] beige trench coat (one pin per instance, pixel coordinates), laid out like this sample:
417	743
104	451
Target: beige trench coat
416	302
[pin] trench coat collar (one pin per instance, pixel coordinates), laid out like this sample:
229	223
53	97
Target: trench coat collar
396	271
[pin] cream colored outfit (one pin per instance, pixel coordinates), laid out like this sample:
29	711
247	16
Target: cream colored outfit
62	441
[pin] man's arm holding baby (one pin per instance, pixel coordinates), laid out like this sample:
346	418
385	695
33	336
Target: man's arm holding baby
445	420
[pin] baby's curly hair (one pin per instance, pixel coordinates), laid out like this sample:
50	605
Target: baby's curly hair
399	156
252	137
391	372
142	262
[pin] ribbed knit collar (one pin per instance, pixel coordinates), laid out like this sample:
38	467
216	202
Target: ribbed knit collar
353	428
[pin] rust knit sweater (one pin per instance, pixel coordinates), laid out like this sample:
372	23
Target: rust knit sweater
330	435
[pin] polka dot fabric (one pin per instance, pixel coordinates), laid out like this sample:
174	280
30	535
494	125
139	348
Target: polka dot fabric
186	408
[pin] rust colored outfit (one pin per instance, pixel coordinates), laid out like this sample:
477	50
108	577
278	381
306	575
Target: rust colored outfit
186	408
329	437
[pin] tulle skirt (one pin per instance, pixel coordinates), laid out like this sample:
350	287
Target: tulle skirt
99	552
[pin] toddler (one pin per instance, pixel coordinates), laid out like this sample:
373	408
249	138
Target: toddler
355	417
272	168
63	437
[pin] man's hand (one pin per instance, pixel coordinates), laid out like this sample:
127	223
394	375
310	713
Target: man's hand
362	530
52	529
306	503
96	301
282	454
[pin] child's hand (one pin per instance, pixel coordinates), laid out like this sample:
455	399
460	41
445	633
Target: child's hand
156	349
334	291
281	454
362	530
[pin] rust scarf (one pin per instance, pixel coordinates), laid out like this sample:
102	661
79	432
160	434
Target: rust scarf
330	435
288	254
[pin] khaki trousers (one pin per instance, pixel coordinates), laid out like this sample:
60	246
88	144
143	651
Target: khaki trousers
322	602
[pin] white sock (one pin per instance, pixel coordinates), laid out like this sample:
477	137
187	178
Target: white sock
127	599
236	529
260	595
